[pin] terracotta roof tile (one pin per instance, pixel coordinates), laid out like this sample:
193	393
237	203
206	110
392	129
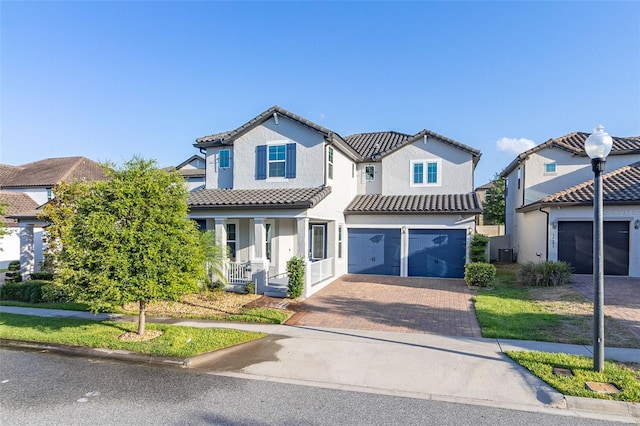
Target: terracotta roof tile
258	198
16	203
414	204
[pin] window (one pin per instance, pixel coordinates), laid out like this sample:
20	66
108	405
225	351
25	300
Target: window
339	241
49	195
277	160
550	167
519	176
369	173
425	173
330	163
318	242
353	170
269	235
231	240
225	158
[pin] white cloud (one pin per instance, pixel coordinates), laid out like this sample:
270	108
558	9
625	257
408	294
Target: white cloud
514	146
322	116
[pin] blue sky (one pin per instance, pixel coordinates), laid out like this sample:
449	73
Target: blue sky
108	80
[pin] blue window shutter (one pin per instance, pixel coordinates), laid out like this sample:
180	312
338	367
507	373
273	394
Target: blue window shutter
261	162
290	168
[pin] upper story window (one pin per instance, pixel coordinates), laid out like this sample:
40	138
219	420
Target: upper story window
225	158
519	175
369	173
550	168
49	195
426	173
330	163
276	160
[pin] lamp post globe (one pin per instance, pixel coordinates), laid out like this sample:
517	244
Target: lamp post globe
598	146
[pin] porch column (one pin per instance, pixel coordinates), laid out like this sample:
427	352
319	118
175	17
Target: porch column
221	232
27	250
259	262
303	238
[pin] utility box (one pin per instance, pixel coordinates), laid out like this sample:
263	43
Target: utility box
505	255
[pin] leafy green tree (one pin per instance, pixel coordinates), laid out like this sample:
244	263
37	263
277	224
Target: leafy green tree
494	204
127	238
3	229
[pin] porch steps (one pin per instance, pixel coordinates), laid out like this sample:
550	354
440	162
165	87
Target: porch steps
235	288
276	291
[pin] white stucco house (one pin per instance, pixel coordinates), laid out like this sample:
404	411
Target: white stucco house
549	205
384	203
25	189
193	172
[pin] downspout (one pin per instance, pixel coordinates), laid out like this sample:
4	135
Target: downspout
546	254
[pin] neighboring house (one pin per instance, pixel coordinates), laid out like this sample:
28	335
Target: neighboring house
14	203
545	221
193	172
35	182
383	203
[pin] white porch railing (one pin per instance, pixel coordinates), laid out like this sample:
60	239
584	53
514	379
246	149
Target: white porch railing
238	273
320	270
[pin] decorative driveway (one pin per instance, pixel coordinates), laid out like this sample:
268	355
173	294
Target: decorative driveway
621	298
397	304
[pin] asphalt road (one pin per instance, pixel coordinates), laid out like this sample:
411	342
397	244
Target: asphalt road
50	389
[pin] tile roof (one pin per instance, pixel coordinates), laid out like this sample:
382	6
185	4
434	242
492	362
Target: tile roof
621	186
574	143
16	202
48	172
414	204
258	198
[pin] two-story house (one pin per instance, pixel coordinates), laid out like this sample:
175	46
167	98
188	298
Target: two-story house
386	203
549	206
24	189
193	172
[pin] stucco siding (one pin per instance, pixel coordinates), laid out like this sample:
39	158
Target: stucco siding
456	174
531	240
365	186
217	177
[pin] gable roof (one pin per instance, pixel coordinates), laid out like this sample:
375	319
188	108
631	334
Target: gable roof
360	147
619	187
189	160
414	204
287	198
16	202
50	171
574	144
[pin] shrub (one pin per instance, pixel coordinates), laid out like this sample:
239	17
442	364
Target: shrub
478	249
53	293
217	285
545	274
479	274
43	276
295	269
249	287
30	292
13	274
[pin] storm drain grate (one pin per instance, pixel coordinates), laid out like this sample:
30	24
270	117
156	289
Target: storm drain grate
605	388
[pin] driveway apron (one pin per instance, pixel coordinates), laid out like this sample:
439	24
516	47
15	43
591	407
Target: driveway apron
396	304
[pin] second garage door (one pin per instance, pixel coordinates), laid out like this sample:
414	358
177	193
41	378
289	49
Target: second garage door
374	251
437	253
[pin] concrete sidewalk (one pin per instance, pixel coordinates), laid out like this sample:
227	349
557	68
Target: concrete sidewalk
456	369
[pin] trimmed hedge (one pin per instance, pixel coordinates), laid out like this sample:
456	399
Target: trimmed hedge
479	274
42	276
34	291
13	274
545	274
295	269
478	248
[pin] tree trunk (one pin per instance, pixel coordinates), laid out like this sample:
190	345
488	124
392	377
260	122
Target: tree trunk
141	318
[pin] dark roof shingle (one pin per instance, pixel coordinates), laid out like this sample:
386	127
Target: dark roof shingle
256	198
414	204
50	171
15	203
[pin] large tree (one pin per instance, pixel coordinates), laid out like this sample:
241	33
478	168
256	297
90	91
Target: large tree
127	238
494	203
3	211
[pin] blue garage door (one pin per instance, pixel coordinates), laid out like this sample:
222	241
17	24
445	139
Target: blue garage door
437	253
374	251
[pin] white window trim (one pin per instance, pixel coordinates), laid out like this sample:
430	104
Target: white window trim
277	178
236	241
324	241
330	153
425	163
272	225
220	158
364	173
555	167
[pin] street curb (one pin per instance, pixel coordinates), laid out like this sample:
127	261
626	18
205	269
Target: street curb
595	405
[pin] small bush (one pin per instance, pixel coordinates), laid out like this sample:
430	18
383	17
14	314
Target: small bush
545	274
479	274
53	293
249	287
13	274
295	269
478	248
217	285
30	292
43	276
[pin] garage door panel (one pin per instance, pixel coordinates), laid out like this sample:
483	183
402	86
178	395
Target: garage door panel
575	246
374	251
437	253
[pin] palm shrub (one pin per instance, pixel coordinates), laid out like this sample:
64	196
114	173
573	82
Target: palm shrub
545	274
478	249
295	270
479	274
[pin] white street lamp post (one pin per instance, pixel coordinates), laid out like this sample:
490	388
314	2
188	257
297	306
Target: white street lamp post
598	146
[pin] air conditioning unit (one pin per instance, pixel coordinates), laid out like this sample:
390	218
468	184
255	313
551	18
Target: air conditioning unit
505	255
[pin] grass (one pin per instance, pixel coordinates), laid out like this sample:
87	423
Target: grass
541	364
175	341
551	314
68	306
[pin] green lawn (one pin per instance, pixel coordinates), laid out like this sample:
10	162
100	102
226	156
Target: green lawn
541	364
175	341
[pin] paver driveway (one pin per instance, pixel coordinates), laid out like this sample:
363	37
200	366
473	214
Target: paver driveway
398	304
